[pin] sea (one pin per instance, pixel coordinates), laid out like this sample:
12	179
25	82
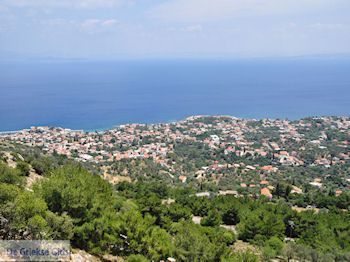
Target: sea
98	95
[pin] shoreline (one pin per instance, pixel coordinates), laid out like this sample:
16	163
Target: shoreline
103	129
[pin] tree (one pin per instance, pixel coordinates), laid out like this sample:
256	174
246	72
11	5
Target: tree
261	225
29	213
89	201
212	219
230	216
175	212
157	244
282	190
272	248
195	243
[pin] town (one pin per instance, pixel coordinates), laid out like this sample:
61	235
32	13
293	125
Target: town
232	153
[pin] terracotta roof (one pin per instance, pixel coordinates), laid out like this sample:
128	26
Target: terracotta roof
264	182
266	192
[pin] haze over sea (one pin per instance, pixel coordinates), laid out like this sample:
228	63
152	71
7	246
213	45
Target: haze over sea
99	95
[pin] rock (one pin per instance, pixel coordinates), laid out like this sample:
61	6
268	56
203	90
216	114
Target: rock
83	256
110	258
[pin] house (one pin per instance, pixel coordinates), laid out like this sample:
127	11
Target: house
250	167
86	157
269	169
266	192
215	139
183	179
203	194
338	192
316	184
296	190
264	182
228	192
284	153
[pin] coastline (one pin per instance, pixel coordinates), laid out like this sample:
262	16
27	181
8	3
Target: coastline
104	129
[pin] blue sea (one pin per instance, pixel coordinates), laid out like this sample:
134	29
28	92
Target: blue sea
98	95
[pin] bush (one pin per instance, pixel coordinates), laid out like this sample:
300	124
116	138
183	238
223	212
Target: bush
276	244
23	168
10	175
43	165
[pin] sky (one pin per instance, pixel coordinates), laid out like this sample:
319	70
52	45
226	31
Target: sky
110	29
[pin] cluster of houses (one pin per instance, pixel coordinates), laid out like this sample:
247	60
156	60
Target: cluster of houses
282	142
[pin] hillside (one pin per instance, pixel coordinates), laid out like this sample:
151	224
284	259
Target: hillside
150	219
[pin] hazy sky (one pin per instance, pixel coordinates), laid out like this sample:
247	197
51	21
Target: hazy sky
173	28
